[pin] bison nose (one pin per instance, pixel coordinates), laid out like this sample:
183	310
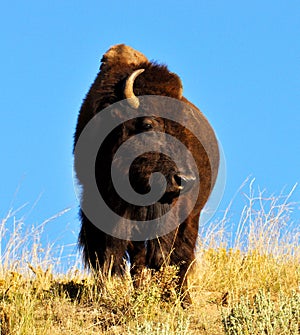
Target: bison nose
183	182
179	184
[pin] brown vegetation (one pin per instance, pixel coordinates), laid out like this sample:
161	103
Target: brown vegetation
251	288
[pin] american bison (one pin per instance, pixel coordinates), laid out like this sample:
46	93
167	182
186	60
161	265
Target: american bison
149	234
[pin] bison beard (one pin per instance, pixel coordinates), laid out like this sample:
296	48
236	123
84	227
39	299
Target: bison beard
121	77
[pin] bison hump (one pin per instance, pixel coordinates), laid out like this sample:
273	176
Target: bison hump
122	54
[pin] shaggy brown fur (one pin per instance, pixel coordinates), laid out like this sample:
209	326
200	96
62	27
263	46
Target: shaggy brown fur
102	251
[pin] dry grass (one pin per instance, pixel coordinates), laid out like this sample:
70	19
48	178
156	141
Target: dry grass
248	287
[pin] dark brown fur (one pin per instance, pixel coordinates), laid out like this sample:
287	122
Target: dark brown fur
102	251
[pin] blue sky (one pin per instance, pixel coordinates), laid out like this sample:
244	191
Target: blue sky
239	63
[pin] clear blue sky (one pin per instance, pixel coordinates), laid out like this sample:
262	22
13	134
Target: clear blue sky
239	62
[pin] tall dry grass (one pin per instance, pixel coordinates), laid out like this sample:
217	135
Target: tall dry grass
242	283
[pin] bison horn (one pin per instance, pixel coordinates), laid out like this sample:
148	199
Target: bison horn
133	100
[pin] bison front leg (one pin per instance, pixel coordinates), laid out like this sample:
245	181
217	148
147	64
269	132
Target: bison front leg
114	256
101	252
137	255
176	248
184	255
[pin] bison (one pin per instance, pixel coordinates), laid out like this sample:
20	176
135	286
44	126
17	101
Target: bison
144	102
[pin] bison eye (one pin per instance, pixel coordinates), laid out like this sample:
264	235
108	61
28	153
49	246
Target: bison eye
147	125
144	125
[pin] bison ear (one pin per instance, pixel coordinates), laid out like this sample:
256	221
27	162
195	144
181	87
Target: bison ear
124	54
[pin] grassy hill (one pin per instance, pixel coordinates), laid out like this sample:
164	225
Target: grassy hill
249	287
